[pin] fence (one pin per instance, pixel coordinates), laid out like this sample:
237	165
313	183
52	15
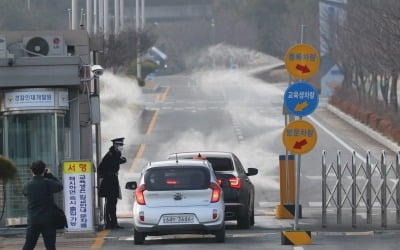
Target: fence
369	186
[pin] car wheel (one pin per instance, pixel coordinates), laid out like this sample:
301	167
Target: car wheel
252	221
220	235
243	221
138	237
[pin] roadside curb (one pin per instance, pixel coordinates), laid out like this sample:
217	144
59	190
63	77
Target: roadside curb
364	128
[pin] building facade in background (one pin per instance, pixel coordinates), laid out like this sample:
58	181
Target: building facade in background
331	76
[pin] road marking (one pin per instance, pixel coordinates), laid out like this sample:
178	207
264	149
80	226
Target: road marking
152	122
270	213
315	204
164	95
298	248
98	243
268	203
337	138
138	156
367	233
158	97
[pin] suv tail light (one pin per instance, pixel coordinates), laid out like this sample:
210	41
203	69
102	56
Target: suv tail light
139	194
216	192
235	182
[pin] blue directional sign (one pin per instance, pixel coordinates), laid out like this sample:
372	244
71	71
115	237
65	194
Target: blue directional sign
301	99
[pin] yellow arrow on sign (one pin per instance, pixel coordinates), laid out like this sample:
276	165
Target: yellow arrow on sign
299	107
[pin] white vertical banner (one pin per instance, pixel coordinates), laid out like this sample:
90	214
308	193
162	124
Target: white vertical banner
78	195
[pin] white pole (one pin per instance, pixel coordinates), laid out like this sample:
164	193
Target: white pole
122	15
138	65
143	16
106	20
74	14
101	16
95	16
137	15
69	19
116	16
89	16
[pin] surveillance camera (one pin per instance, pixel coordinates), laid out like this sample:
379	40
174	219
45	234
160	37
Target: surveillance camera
97	70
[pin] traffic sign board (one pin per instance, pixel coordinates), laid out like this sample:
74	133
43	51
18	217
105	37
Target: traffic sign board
299	137
302	61
301	99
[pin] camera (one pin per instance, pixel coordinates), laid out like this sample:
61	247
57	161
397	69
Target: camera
97	70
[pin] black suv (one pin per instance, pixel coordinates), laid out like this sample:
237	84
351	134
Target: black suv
234	180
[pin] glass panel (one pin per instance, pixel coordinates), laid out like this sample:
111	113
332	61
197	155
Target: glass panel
28	137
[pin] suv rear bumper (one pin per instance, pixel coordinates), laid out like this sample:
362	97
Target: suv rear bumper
232	210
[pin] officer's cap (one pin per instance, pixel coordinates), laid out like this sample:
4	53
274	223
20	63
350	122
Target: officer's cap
118	141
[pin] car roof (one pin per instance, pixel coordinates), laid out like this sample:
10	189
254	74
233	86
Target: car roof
179	163
202	153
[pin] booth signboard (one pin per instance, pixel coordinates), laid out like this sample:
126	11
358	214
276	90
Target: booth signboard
78	195
35	98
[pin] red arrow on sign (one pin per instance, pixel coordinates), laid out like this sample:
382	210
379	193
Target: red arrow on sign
304	69
300	144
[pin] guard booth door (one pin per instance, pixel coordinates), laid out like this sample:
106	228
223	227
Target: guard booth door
28	137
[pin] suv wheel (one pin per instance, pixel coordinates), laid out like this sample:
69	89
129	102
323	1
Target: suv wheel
243	221
138	237
252	221
220	235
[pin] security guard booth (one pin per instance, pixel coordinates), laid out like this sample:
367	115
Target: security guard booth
45	90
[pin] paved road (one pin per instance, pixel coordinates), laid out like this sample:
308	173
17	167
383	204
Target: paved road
266	233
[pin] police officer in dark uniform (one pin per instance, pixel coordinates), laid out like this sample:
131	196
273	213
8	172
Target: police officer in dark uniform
109	186
39	192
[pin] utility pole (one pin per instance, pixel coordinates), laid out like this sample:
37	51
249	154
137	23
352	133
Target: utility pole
89	17
140	21
74	14
116	17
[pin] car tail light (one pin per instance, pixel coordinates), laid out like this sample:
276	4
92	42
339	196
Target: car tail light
215	214
141	216
235	182
216	192
139	194
219	181
172	182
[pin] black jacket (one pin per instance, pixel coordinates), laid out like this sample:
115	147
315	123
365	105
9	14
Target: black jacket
39	192
108	170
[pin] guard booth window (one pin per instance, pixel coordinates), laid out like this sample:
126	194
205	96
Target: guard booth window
29	137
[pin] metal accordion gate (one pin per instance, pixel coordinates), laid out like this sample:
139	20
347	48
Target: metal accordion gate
366	185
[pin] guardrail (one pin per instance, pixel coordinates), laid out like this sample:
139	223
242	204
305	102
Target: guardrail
369	185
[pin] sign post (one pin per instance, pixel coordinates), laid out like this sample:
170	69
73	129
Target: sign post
78	195
299	136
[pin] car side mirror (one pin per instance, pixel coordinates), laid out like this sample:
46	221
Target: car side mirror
252	171
131	185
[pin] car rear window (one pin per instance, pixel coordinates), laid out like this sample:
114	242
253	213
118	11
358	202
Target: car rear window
221	164
177	178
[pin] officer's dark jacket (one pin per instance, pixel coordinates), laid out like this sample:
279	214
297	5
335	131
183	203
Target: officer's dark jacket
39	192
108	170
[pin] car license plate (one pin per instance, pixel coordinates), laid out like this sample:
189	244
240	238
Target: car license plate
178	219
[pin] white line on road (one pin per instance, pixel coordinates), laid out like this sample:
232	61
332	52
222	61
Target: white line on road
337	139
298	248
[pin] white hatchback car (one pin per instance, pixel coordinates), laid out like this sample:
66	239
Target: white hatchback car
177	196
